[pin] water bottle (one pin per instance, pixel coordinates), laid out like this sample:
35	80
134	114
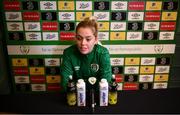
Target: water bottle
103	92
113	94
81	93
71	92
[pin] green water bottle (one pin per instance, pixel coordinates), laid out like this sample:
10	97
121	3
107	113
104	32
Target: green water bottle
71	92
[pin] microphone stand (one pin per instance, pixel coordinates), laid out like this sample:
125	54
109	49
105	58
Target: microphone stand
92	81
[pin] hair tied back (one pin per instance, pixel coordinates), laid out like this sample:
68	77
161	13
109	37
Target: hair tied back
94	18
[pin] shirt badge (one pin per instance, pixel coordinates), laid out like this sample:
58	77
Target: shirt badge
95	67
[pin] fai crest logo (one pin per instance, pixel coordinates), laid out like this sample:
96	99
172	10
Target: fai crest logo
158	48
94	67
24	49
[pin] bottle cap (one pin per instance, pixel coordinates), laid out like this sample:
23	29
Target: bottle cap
103	80
80	80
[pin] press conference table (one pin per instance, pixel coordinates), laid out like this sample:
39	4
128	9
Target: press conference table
141	101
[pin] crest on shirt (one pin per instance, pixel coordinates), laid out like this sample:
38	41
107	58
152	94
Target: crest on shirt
95	67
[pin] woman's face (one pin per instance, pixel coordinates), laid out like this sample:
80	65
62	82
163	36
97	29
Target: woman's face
85	40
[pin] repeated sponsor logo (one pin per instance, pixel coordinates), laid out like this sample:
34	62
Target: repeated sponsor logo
148	61
83	5
36	49
131	78
152	16
132	61
103	36
66	5
52	62
118	16
12	5
102	16
82	15
103	26
38	87
48	5
130	86
153	5
33	36
117	69
135	26
53	79
135	16
21	79
38	79
67	36
67	26
49	16
66	16
146	69
169	16
50	36
117	61
170	5
36	70
131	70
52	70
102	5
36	62
118	5
32	26
146	78
23	87
141	49
13	16
16	36
151	26
161	77
166	36
19	62
31	16
20	71
118	26
145	86
53	87
15	26
134	35
168	26
162	69
117	36
160	85
163	61
119	86
119	78
30	5
113	49
49	26
136	5
150	35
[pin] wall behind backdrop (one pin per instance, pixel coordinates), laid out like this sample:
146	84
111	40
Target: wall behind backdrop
141	36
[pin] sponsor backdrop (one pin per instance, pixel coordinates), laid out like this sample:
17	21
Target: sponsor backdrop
138	33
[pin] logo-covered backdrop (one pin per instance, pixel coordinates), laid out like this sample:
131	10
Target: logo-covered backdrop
138	33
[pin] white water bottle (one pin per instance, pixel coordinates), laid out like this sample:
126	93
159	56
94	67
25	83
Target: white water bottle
103	92
81	93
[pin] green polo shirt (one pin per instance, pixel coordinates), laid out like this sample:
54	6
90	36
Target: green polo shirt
95	64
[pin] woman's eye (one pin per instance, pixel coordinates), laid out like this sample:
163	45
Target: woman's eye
79	38
88	40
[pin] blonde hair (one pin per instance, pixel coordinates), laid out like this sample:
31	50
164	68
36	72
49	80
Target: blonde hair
90	22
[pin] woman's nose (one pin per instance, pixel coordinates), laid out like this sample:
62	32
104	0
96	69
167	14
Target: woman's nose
83	41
